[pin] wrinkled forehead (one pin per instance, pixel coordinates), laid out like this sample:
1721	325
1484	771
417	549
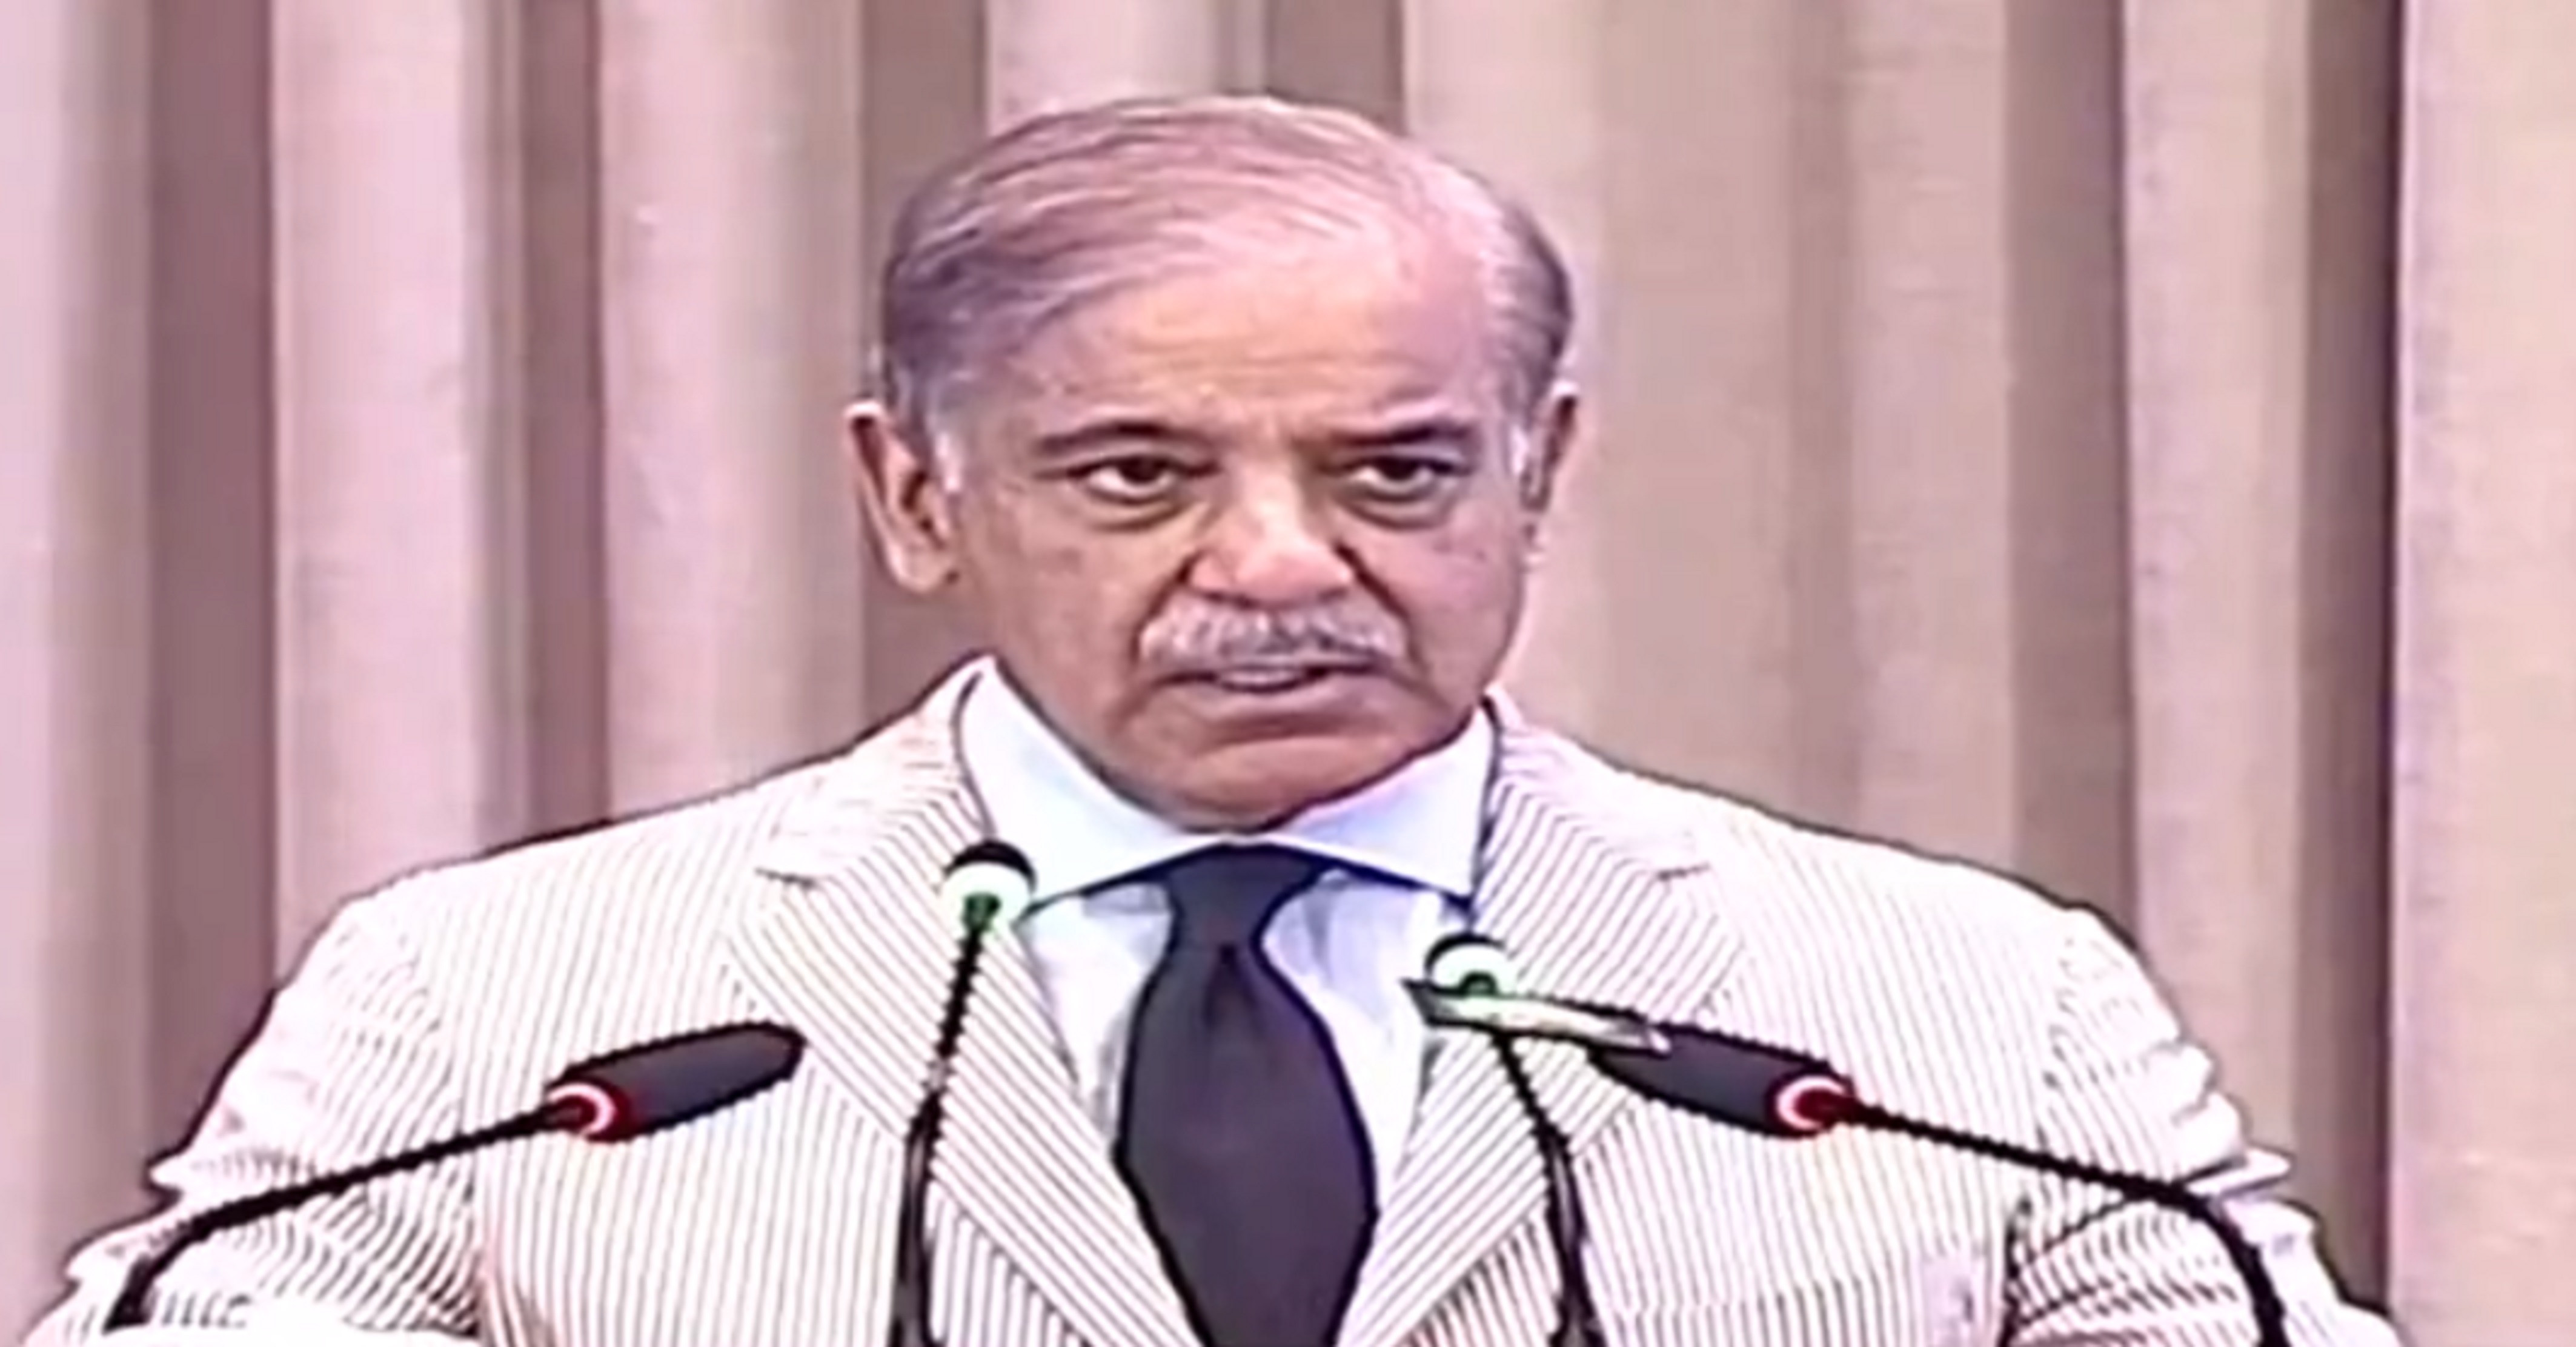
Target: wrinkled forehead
1271	333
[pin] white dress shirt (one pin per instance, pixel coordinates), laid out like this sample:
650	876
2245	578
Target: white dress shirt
1407	852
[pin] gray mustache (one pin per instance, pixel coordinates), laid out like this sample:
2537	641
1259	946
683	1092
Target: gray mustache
1203	637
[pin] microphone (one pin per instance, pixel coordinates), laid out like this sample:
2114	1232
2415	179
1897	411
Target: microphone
630	1093
1783	1093
1481	971
988	886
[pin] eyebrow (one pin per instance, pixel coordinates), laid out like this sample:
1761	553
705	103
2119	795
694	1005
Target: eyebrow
1130	429
1085	436
1406	431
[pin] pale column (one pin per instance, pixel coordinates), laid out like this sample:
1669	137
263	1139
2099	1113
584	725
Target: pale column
73	701
1702	464
923	85
2484	1186
395	450
2258	485
730	274
1513	91
213	713
1348	53
1045	55
1928	339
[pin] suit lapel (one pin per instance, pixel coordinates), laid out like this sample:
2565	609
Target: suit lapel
1594	902
853	950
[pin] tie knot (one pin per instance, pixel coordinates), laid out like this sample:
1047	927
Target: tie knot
1226	895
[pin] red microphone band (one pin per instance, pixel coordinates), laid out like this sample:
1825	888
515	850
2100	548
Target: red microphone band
1812	1105
587	1110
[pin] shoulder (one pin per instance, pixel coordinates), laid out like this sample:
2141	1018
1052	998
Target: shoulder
1768	867
549	949
1949	983
657	885
1848	927
652	859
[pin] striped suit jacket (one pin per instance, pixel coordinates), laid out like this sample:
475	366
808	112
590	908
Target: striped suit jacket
446	999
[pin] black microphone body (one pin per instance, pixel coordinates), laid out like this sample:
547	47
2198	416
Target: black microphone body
1781	1093
616	1097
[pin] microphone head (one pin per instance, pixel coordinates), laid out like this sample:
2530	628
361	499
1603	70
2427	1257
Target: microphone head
1743	1084
1534	1017
989	884
652	1086
1472	964
1467	983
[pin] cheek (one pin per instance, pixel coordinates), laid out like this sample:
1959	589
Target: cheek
1461	592
1065	610
1064	588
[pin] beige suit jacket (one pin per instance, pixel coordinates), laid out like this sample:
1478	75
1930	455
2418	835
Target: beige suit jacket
446	999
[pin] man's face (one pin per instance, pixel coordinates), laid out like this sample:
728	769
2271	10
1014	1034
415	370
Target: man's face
1251	538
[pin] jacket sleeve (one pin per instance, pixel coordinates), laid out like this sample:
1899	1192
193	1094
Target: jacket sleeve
349	1064
2126	1088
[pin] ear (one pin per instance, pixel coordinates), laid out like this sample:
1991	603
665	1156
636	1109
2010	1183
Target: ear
1558	425
907	507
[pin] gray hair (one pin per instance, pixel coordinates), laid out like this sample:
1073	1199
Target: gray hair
1065	209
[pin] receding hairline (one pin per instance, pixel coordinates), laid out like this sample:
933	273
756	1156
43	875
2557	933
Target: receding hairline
1066	209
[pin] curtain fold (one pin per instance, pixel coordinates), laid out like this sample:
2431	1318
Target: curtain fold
2485	673
2133	444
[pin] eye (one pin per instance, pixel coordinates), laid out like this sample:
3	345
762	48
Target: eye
1133	479
1401	478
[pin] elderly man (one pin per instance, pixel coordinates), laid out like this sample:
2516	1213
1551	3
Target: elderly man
1234	423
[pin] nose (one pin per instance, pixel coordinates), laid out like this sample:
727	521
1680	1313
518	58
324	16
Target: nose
1267	547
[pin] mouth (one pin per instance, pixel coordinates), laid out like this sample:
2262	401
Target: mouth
1273	680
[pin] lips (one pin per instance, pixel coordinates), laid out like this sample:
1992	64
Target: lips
1256	680
1264	680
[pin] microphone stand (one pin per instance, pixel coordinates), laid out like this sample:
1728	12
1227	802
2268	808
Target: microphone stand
615	1097
988	885
1777	1092
133	1298
1578	1317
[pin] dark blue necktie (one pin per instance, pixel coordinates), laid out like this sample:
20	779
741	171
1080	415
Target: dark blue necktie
1237	1129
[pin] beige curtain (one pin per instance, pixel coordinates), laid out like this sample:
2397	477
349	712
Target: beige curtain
2131	443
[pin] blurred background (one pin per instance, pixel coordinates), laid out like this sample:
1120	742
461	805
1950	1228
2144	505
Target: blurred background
2129	443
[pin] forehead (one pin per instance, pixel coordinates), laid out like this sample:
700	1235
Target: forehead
1303	330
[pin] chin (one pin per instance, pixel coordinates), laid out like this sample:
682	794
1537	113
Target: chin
1245	786
1236	762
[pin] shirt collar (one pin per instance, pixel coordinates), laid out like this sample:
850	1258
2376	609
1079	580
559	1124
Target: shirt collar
1420	825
